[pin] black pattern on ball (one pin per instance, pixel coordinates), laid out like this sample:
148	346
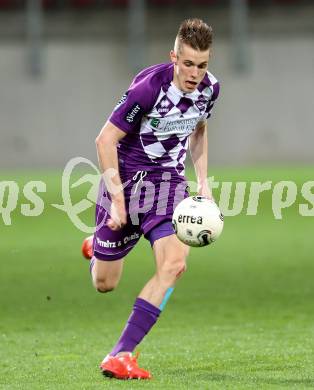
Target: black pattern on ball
204	237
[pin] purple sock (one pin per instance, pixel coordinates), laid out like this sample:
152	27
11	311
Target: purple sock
141	320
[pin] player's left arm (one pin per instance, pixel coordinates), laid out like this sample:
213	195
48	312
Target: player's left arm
199	155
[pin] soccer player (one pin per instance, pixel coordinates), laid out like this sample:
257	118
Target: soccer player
143	146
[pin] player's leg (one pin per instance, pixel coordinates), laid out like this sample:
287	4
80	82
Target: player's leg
108	250
170	256
106	274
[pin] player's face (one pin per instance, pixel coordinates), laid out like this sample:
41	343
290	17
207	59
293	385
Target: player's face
190	67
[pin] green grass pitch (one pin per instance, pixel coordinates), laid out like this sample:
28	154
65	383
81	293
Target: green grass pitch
242	317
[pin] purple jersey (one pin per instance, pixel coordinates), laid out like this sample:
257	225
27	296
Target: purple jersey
158	119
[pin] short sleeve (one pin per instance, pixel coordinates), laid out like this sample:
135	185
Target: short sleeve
133	105
210	105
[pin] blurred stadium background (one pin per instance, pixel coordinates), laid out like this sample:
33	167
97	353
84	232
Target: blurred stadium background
242	317
64	64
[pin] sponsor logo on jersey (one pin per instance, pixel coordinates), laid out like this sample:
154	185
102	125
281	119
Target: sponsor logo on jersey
182	125
177	126
155	123
133	113
121	101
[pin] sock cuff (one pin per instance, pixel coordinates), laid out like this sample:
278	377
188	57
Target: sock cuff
146	306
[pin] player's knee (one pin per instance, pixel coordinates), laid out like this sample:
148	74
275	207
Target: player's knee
104	286
173	268
181	270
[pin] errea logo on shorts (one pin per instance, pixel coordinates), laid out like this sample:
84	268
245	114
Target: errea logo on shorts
133	113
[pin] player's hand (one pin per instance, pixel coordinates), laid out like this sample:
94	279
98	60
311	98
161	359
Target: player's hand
117	215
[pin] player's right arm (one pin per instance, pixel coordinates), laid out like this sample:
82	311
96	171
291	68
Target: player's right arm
125	119
106	144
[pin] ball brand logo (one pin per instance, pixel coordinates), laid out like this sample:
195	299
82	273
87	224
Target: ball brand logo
132	113
190	219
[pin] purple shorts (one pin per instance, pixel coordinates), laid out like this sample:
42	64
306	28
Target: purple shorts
150	199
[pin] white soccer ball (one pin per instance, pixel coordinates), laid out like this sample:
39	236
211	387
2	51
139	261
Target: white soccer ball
197	221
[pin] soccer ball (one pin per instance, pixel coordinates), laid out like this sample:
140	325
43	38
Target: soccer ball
197	221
